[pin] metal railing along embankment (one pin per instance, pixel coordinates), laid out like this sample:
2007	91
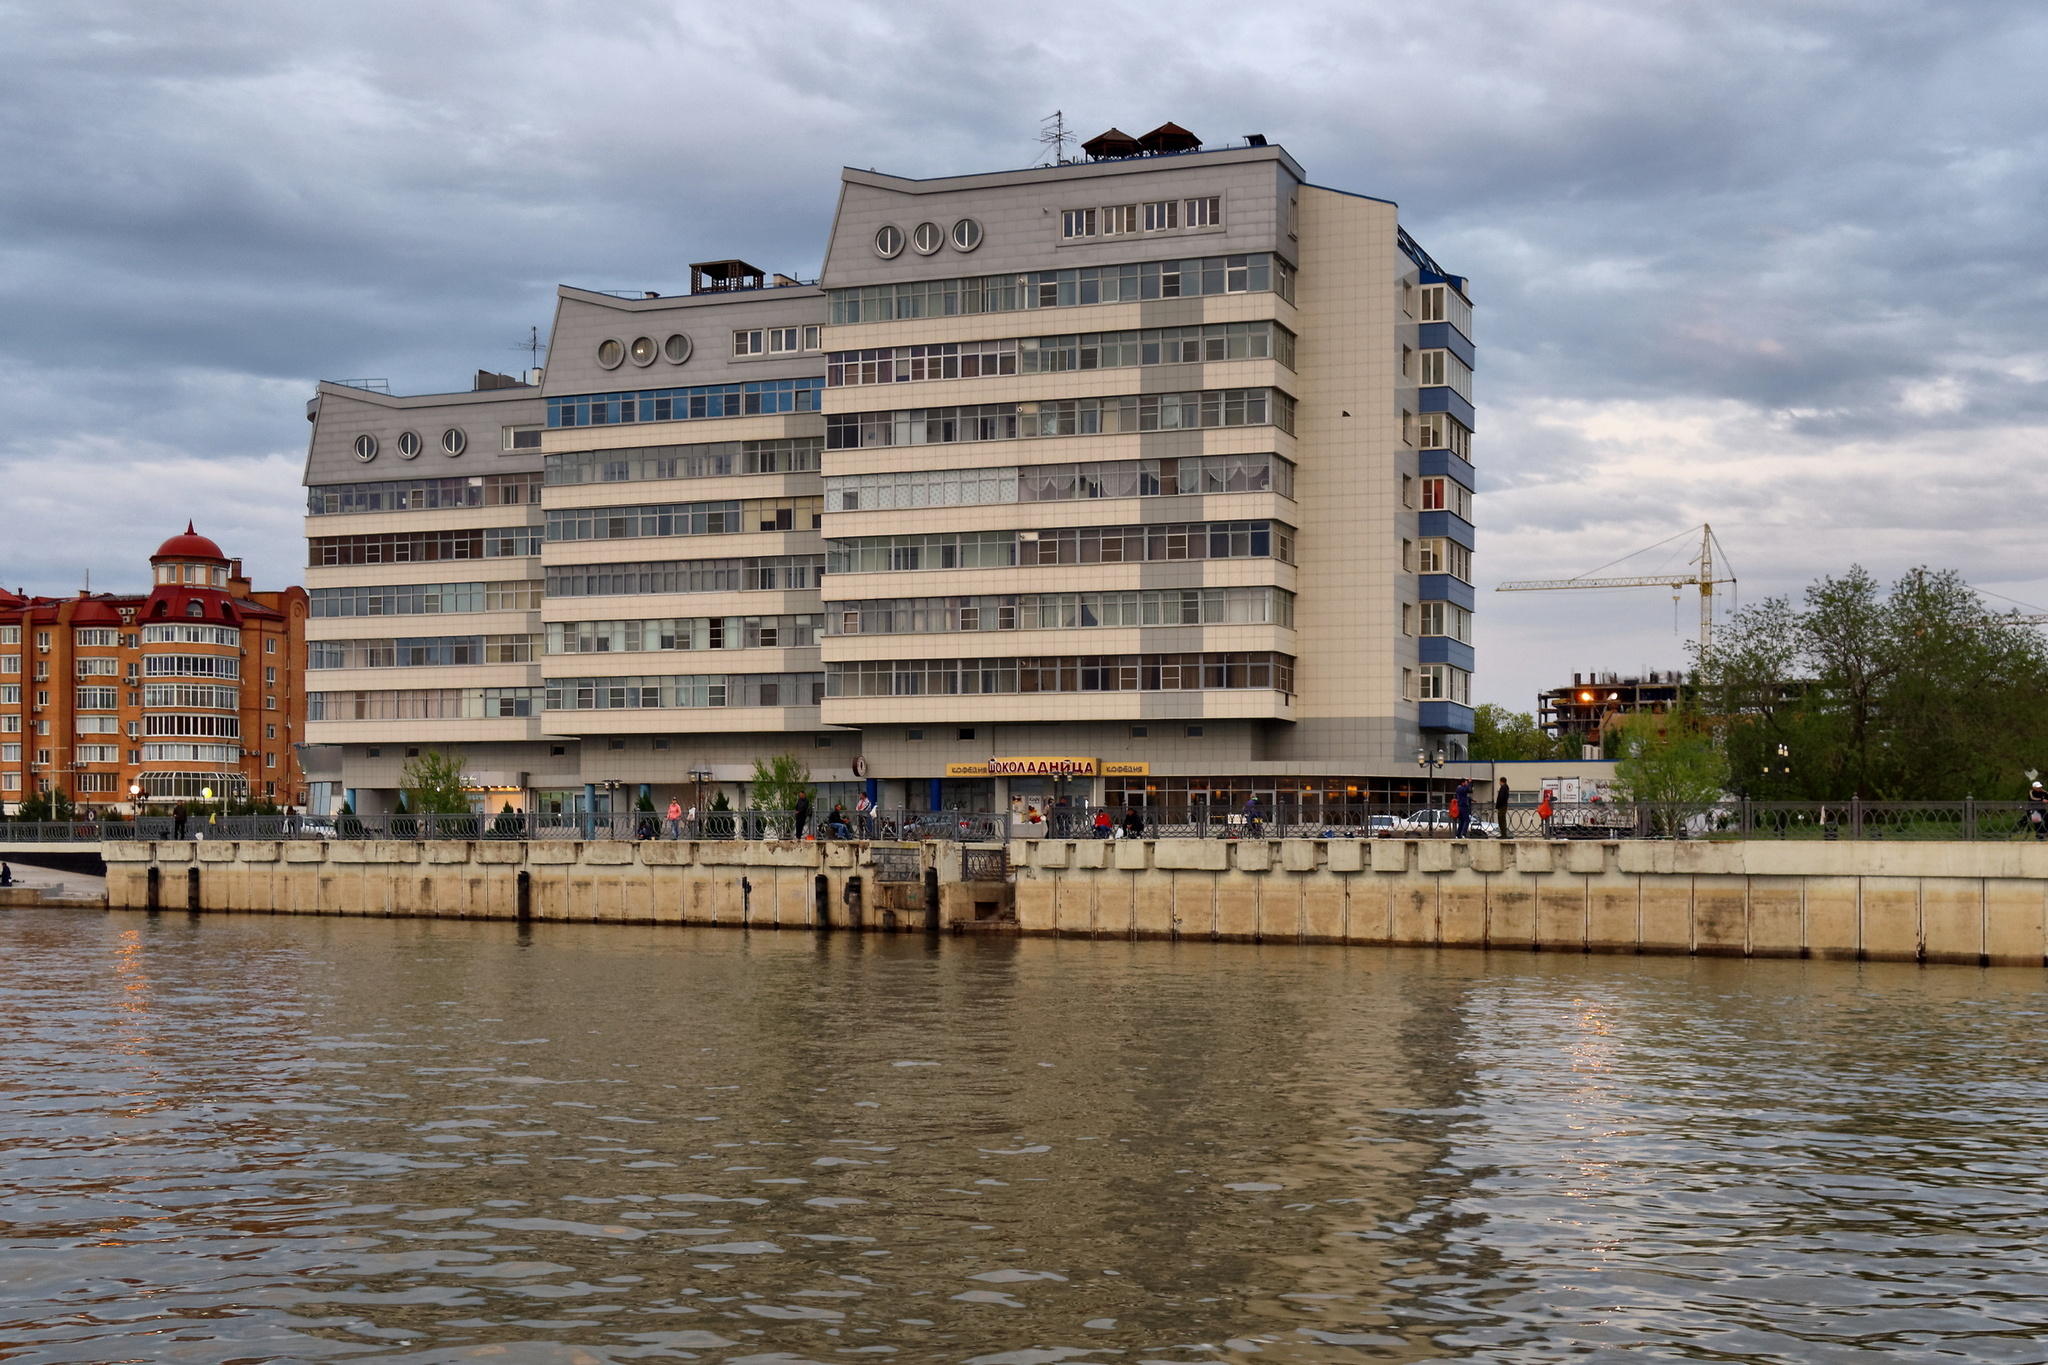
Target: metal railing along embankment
1825	820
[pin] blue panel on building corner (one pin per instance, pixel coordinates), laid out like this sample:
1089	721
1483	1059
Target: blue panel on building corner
1447	716
1443	336
1429	462
1447	524
1442	649
1441	587
1444	399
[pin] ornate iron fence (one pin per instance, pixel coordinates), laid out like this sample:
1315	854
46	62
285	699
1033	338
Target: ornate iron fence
984	865
897	864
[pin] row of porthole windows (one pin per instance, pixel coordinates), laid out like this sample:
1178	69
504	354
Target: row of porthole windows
926	238
453	442
643	351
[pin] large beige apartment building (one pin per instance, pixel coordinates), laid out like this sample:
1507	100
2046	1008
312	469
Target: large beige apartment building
1139	479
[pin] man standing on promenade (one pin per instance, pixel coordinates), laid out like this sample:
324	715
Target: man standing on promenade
1500	810
803	813
1463	798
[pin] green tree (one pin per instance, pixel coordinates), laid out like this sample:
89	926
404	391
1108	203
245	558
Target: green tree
1503	736
49	806
779	781
433	784
1919	693
1669	762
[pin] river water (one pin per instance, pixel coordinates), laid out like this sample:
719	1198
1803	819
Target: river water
247	1139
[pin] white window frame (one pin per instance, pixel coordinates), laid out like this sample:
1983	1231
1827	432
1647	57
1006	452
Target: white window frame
1162	215
1119	220
1443	369
1203	211
1076	224
749	341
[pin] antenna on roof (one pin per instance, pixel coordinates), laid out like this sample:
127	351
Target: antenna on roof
533	345
1055	136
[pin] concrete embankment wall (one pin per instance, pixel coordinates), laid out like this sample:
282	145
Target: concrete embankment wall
789	885
1937	902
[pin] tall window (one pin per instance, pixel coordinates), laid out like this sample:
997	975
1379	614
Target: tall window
1441	431
1438	555
1441	682
1446	495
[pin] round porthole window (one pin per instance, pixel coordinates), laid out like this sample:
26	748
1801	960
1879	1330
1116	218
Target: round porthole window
927	238
366	448
409	444
454	441
966	234
643	350
677	348
889	242
610	354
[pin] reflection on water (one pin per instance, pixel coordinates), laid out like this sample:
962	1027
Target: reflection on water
311	1140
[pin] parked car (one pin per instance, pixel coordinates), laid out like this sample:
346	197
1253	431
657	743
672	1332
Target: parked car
1439	823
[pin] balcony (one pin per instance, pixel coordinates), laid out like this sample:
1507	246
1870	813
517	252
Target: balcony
1442	649
1446	717
1449	525
1441	587
1428	462
1442	335
1443	398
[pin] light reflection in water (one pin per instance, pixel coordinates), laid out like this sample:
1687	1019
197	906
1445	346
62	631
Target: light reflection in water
268	1139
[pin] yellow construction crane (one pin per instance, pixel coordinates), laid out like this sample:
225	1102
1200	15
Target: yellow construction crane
1702	578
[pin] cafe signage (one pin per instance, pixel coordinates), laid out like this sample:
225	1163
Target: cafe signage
1047	767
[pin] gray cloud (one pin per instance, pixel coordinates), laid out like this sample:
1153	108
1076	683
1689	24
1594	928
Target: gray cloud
1773	265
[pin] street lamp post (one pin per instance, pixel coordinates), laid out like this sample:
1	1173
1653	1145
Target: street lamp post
699	776
1429	763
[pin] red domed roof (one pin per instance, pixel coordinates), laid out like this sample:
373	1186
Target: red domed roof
191	545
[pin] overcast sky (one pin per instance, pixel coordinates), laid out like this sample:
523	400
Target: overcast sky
1774	266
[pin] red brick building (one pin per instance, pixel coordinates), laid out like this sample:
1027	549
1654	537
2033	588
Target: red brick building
117	700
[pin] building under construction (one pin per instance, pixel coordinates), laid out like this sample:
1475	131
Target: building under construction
1583	709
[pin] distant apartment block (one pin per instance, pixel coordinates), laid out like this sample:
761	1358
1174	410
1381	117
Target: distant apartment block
120	701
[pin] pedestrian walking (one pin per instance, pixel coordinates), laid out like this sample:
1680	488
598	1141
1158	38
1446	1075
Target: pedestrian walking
1543	812
1252	816
864	811
1501	796
803	812
6	875
179	815
2037	810
1461	809
675	818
